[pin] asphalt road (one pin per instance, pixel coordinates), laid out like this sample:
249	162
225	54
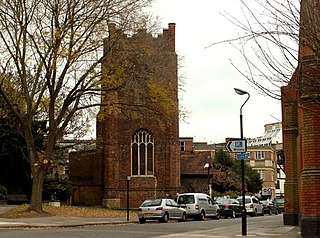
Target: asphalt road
207	228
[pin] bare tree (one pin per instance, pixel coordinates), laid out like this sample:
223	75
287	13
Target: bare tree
269	43
50	56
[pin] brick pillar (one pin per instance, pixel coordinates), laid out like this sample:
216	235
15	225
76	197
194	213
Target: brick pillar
310	176
290	140
307	163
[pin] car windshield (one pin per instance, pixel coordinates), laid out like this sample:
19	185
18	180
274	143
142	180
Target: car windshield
151	203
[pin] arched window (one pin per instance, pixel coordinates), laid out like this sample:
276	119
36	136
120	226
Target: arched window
142	161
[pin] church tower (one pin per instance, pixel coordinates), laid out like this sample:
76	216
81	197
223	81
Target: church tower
138	124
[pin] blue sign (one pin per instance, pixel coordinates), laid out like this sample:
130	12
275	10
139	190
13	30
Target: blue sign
242	156
237	146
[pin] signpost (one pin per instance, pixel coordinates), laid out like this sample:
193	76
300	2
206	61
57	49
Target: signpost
237	146
242	156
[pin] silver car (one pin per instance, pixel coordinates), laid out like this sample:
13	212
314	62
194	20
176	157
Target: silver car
199	205
162	210
253	206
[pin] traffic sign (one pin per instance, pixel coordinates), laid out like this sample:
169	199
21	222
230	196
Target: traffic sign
242	156
237	146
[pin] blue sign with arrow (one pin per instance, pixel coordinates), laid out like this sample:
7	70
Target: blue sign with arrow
237	146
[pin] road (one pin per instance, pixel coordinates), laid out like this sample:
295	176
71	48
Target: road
207	228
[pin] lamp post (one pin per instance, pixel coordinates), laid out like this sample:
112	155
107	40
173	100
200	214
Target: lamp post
128	180
244	212
208	166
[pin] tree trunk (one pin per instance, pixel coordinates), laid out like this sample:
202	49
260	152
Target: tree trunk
37	184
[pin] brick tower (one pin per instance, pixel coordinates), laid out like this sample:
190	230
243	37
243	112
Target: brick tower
301	128
139	145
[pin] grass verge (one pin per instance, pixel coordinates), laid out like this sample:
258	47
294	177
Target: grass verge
22	211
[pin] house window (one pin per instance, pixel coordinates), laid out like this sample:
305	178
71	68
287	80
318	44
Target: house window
259	155
182	145
261	173
142	156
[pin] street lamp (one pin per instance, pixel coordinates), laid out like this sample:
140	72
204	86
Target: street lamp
244	212
208	166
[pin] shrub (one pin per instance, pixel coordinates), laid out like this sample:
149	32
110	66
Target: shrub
58	186
3	192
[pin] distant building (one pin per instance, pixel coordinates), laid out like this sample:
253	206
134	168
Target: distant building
193	157
272	135
263	158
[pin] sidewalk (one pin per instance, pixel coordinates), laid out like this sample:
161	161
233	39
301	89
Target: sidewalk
54	221
272	227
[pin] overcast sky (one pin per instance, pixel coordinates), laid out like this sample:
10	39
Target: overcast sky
209	77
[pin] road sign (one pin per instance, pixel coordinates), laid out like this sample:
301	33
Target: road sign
242	156
237	146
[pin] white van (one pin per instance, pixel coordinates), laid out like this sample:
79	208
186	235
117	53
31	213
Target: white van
198	205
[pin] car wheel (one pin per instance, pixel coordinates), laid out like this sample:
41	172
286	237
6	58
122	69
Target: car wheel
218	216
254	213
184	217
142	220
233	215
202	216
165	218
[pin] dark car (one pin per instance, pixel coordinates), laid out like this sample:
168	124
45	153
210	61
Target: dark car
229	207
268	207
280	205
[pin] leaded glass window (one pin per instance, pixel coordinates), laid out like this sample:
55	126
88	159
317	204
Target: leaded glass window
142	153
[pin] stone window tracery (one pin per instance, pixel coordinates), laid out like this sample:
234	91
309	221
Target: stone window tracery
142	153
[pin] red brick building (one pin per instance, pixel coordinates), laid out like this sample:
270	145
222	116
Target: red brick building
301	128
132	142
193	156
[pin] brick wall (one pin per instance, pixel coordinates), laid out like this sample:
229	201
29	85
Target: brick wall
301	129
115	130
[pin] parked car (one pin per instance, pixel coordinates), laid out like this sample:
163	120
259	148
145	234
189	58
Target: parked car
253	206
199	205
280	205
268	207
162	210
229	207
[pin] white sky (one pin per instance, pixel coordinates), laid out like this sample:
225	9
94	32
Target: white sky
208	74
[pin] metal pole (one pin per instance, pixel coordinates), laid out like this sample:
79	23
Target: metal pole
128	180
208	180
243	212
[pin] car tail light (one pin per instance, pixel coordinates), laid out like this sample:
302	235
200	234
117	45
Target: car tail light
227	206
139	209
159	208
251	206
197	206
